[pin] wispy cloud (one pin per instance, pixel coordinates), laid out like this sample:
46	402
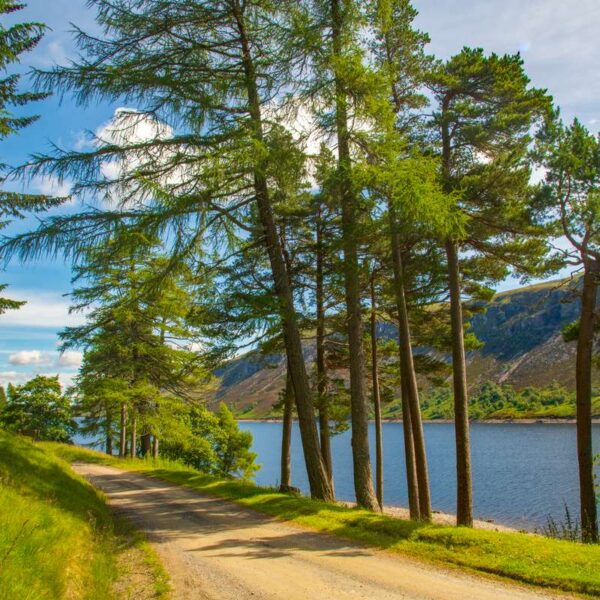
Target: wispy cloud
51	186
20	377
43	309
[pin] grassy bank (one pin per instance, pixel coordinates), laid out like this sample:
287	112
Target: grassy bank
531	559
58	538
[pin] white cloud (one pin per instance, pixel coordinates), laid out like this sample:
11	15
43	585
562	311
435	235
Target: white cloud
30	357
81	141
14	377
19	377
70	358
42	310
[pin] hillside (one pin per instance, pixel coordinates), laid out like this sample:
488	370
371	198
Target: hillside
58	537
521	331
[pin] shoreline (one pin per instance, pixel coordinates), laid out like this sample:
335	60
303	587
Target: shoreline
442	518
524	421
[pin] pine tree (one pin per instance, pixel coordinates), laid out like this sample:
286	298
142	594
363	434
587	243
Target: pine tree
571	194
485	110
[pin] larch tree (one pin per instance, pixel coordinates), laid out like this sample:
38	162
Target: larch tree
398	50
203	73
15	40
345	91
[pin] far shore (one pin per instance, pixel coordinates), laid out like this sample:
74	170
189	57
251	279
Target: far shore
524	421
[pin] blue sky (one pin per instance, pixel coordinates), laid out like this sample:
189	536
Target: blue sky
557	38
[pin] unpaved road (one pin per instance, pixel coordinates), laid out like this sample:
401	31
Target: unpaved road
217	550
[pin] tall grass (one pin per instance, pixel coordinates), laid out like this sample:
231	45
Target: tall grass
55	529
58	537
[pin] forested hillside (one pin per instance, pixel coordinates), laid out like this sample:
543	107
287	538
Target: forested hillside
520	330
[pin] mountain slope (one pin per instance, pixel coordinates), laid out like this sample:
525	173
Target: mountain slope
521	331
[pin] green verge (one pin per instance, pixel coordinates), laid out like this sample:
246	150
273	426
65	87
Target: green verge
526	558
58	537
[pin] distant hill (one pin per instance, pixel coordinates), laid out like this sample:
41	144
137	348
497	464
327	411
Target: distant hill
521	331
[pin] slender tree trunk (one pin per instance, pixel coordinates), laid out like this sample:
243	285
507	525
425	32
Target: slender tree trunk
376	399
408	399
155	447
146	444
286	436
583	376
133	448
315	467
108	430
464	491
412	484
123	440
363	481
323	400
408	374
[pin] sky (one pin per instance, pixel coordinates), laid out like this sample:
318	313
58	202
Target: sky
558	40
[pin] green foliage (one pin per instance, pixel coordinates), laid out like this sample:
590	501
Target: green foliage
494	401
14	41
38	409
571	192
232	447
209	442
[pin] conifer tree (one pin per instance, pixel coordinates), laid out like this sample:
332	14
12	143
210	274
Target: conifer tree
206	69
14	41
398	50
485	110
571	158
344	90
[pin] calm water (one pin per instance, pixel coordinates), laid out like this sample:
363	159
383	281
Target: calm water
521	473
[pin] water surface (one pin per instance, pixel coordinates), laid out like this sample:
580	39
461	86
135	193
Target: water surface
522	473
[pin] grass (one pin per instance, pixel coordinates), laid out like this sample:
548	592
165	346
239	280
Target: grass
526	558
58	537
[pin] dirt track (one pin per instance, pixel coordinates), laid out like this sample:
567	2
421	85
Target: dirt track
217	550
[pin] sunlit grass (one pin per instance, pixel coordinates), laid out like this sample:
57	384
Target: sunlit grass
532	559
58	538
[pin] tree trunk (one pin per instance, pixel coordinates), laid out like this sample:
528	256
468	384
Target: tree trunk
323	400
412	484
155	447
108	430
464	491
123	441
286	436
363	481
146	444
408	374
376	400
133	448
317	474
583	375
